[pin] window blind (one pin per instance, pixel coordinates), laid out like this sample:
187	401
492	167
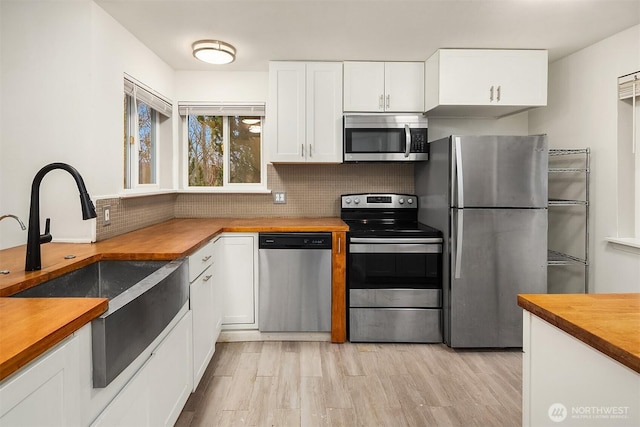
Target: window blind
222	109
147	96
629	85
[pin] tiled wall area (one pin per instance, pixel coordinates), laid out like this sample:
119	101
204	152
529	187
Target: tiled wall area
130	214
312	190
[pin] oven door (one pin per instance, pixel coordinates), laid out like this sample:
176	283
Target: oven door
394	263
395	290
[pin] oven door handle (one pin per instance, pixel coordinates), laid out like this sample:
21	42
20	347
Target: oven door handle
424	240
404	248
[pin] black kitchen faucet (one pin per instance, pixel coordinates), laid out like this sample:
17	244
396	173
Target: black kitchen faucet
34	238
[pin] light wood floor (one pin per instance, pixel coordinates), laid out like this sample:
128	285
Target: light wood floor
323	384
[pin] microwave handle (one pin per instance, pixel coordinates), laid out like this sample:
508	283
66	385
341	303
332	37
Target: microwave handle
407	135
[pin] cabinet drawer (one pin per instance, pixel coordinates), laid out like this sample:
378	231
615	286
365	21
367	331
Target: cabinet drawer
422	325
200	260
422	298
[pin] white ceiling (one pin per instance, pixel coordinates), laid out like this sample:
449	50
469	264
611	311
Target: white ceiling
394	30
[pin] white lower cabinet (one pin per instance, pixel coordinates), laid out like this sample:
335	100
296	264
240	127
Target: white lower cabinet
237	272
171	375
46	391
131	405
569	383
156	394
205	304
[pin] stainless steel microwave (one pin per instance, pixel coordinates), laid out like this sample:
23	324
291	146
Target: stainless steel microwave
385	138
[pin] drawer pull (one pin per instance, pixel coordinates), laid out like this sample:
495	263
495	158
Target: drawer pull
207	258
207	277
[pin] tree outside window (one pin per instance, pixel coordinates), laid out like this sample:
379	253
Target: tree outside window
145	129
223	150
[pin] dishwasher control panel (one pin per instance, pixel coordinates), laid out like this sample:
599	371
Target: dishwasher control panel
295	241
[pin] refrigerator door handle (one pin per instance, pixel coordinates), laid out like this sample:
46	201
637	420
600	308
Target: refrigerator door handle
459	232
407	137
459	173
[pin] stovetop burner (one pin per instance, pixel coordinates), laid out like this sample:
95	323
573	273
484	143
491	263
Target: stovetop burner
384	215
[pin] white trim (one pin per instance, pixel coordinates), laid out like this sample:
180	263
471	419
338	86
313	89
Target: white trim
140	193
230	189
629	242
222	108
254	335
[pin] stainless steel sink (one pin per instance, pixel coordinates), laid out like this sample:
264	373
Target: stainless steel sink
144	296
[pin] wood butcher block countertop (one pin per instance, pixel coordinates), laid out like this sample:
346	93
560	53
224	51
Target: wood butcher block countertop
30	326
610	323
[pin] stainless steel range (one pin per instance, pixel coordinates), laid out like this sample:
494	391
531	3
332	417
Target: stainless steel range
394	278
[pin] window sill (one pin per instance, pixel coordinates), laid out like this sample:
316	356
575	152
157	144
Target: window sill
134	194
628	244
226	190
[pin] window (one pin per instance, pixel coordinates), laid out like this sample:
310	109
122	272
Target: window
224	147
143	112
629	156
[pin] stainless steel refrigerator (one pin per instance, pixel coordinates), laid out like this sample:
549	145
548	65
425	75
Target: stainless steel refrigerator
488	195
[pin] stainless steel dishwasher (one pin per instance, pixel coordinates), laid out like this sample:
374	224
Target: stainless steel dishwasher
295	282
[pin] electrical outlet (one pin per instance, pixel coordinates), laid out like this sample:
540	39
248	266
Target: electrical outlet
279	197
106	215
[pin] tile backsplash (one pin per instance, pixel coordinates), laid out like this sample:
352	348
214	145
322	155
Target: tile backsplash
312	190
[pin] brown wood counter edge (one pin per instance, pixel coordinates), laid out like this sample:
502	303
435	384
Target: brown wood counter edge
50	339
598	343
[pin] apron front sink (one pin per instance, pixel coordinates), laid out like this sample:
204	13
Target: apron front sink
144	296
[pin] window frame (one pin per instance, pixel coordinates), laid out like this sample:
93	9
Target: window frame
227	111
164	178
132	159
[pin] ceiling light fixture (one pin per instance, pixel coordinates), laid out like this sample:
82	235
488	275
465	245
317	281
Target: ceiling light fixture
214	51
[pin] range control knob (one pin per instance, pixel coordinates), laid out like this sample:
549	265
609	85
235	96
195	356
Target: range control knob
347	200
410	201
401	201
356	201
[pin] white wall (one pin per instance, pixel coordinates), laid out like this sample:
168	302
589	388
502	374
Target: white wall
516	124
221	86
62	101
582	112
44	85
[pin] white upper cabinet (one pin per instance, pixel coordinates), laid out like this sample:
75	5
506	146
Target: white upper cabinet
304	112
484	83
383	86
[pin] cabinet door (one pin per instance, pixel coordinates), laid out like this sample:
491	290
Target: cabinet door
286	113
202	302
218	289
404	86
464	77
364	86
239	282
131	405
171	374
324	112
492	77
46	391
520	76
